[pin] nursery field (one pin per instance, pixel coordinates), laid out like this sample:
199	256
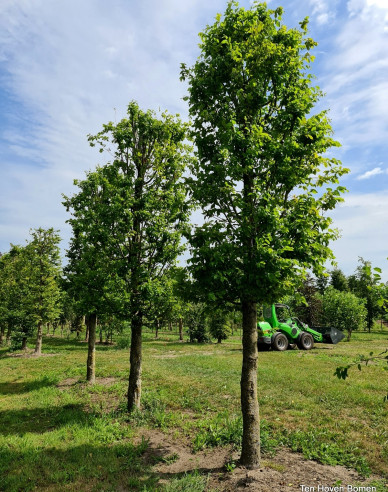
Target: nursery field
58	433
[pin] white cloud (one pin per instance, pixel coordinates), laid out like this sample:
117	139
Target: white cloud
67	65
363	222
369	174
356	6
366	9
383	4
356	76
321	10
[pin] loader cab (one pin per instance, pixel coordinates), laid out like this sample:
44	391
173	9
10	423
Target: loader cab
277	314
283	313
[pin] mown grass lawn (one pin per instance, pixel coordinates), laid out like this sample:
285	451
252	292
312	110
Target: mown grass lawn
57	433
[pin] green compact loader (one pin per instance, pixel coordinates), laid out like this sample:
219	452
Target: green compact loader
281	331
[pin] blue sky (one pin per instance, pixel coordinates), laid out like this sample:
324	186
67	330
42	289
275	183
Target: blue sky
67	67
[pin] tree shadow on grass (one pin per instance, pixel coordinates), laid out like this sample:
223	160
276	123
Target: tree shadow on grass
119	466
90	466
71	345
172	344
160	341
63	344
41	420
19	387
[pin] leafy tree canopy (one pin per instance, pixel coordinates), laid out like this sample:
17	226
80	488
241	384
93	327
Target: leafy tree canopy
128	215
261	157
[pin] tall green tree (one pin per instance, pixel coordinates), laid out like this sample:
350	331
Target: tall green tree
322	282
138	207
195	319
338	280
218	324
90	281
260	164
183	295
44	273
16	311
8	293
343	310
365	285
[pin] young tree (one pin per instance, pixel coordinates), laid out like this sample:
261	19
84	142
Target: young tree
3	298
162	302
343	310
260	163
16	312
338	280
322	282
138	207
90	282
364	284
381	290
9	293
110	325
44	274
195	318
182	292
218	324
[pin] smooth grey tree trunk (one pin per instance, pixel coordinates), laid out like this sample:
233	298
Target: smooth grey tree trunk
87	327
91	361
39	337
250	454
135	359
24	343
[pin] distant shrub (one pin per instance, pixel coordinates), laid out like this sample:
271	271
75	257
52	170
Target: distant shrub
123	343
343	310
218	326
16	340
196	321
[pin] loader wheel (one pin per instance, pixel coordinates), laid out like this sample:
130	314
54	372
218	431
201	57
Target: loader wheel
306	341
279	342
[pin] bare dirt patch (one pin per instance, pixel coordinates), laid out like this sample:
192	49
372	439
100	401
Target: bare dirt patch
106	381
287	471
172	457
28	354
67	383
101	381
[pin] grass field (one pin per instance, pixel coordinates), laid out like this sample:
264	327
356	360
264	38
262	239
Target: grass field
57	433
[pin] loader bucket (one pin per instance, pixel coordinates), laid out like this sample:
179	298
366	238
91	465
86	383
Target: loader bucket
332	335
